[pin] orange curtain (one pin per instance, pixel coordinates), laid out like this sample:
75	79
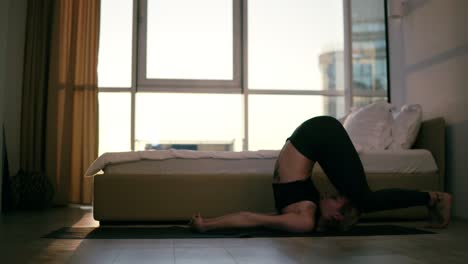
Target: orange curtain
72	103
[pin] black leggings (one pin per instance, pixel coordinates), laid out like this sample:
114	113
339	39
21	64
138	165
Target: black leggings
323	139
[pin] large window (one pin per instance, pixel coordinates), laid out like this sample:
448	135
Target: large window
233	74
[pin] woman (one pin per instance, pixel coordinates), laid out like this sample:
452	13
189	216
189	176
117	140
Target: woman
299	206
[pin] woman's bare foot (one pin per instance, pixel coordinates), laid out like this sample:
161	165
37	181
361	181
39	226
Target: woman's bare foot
197	223
440	209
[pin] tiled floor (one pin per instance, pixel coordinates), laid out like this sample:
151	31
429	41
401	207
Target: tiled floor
21	242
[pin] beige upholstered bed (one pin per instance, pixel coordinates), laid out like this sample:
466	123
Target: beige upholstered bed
173	189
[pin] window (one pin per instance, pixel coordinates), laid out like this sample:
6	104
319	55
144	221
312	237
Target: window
201	119
286	40
233	74
369	56
186	44
115	42
273	117
114	122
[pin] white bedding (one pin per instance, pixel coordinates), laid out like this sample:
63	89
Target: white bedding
219	162
159	155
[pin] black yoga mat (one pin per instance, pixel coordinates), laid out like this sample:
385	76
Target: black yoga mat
177	232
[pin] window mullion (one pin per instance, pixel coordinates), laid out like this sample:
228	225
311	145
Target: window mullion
348	60
245	72
141	36
135	67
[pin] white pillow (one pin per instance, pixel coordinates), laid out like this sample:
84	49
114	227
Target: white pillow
406	126
370	127
343	119
353	109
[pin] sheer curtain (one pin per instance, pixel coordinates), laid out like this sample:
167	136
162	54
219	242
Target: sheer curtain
60	108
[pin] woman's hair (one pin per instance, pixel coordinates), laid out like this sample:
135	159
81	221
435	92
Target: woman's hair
348	210
351	216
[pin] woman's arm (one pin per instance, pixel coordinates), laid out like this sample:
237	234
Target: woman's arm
292	222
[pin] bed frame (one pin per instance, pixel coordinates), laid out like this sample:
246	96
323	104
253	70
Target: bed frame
123	198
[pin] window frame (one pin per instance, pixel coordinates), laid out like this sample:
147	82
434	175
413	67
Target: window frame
189	85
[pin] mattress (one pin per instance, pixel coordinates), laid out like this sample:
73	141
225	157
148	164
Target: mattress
251	162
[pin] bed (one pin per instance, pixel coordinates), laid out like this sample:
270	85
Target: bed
170	185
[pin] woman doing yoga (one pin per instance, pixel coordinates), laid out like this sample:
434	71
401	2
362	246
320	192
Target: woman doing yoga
299	206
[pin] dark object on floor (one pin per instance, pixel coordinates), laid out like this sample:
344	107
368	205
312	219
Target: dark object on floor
7	195
176	232
25	190
32	190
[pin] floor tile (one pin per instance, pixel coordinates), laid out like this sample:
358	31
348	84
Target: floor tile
202	255
143	256
21	242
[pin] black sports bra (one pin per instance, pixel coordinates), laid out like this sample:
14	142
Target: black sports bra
293	192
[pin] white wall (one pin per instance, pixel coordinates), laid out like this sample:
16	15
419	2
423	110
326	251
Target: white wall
14	79
3	33
429	66
12	39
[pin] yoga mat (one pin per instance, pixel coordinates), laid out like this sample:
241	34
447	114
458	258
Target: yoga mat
180	232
